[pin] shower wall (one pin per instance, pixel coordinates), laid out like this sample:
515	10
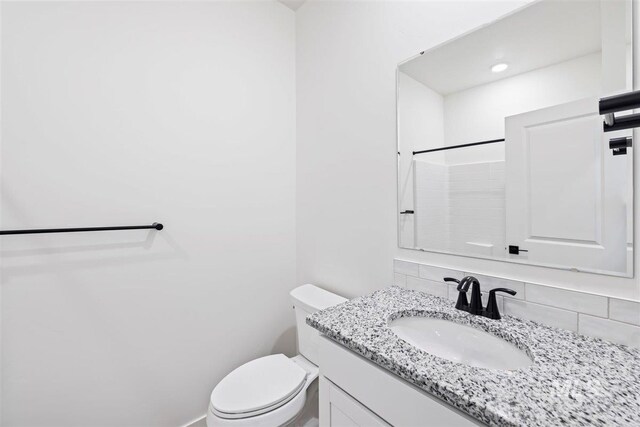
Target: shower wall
432	202
477	208
460	207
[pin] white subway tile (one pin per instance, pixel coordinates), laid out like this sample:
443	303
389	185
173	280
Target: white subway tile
547	305
610	330
541	313
624	311
453	291
488	282
498	171
406	267
437	273
438	289
569	300
400	280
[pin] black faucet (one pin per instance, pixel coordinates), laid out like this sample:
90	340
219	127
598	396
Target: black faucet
475	306
462	303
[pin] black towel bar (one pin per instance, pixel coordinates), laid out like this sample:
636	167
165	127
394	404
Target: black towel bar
155	226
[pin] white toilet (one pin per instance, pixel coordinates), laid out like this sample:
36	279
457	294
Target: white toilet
276	390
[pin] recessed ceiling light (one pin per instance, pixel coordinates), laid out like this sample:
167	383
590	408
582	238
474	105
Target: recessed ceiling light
498	68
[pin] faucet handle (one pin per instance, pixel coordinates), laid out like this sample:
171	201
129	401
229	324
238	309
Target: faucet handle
462	303
452	279
505	290
463	284
492	311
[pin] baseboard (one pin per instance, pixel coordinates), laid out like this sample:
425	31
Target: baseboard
198	422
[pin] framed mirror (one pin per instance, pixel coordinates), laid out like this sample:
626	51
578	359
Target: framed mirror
501	148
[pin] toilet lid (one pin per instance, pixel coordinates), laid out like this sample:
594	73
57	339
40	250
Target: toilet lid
259	385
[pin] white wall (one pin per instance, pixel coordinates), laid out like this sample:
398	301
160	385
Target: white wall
421	118
467	117
1	121
346	161
129	113
420	111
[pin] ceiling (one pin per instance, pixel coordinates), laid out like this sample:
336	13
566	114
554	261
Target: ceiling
544	33
292	4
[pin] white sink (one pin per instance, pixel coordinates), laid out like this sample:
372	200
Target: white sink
460	343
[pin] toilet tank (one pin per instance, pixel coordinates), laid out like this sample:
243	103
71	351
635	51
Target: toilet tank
308	299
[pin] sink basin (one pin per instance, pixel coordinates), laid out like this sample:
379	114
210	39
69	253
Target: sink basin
460	343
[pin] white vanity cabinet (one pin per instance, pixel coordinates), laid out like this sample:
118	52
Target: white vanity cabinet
356	392
343	410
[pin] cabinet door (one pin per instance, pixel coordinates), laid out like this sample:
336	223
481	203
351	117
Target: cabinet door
341	410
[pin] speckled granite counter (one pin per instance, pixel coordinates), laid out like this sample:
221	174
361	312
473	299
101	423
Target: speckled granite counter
574	380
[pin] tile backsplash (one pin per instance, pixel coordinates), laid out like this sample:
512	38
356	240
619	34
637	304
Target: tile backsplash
611	319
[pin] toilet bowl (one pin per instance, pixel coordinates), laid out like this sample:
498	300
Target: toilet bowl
276	390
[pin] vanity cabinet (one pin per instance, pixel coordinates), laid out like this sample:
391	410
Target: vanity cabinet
342	410
356	392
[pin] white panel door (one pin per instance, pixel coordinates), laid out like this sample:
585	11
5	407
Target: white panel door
566	194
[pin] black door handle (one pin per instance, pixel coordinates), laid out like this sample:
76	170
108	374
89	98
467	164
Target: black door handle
515	250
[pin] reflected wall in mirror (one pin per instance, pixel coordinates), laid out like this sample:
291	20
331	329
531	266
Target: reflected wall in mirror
501	149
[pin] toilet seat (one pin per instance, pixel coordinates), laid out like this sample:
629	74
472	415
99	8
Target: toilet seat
279	414
257	387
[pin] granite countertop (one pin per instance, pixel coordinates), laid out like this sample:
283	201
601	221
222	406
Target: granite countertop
574	380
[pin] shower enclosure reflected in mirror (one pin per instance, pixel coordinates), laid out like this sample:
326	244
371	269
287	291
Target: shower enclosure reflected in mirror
501	148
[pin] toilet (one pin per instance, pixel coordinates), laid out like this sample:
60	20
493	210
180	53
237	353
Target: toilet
276	390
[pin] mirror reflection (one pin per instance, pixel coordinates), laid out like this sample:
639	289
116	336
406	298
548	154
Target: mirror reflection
501	149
